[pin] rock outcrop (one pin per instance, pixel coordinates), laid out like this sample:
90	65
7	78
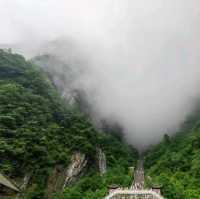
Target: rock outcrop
62	177
24	185
75	169
101	158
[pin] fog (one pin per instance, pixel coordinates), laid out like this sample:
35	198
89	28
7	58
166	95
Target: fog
137	61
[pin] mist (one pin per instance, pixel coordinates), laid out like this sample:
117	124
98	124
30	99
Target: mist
137	61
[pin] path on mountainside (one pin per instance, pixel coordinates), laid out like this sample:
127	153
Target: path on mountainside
138	182
137	188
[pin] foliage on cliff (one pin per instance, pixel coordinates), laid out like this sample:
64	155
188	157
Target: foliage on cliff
38	130
175	162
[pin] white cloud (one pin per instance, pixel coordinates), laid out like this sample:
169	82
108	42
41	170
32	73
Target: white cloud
142	56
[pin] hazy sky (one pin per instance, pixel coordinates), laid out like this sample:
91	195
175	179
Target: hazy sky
140	59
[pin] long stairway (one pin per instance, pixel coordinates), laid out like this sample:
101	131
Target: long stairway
136	191
138	182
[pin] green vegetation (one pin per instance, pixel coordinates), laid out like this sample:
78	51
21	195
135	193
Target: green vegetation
38	130
175	162
94	186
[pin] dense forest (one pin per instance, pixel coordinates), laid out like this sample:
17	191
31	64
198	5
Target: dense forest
174	164
39	131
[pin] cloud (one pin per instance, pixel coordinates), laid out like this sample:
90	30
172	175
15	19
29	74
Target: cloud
139	60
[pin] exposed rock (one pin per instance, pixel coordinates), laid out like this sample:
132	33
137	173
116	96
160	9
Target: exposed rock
61	176
24	185
101	158
8	188
75	169
26	180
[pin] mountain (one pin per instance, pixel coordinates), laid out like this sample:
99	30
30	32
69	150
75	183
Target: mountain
51	147
48	146
175	162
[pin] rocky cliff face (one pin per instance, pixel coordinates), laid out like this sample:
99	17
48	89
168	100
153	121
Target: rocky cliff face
101	158
75	169
62	177
24	185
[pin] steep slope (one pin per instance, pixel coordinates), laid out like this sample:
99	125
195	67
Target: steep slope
42	138
175	162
